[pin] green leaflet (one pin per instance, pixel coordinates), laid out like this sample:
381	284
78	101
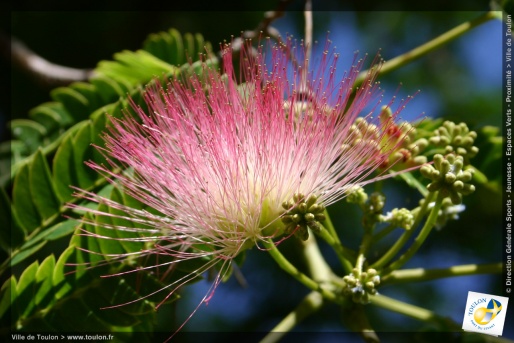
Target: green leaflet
24	207
43	296
75	103
125	236
14	236
33	194
107	246
42	190
7	299
28	131
82	152
57	231
53	116
25	252
171	47
64	170
133	67
24	289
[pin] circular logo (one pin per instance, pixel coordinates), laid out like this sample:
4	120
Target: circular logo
484	315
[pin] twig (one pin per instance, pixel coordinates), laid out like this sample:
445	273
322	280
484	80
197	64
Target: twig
45	72
310	304
308	29
412	311
421	274
299	276
265	27
308	46
431	45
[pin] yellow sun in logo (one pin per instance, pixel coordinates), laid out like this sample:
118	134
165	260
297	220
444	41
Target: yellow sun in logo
485	315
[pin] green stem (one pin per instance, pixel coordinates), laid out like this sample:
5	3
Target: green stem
299	276
310	304
421	274
355	319
429	46
384	232
327	223
321	273
345	255
422	236
366	242
329	234
318	268
409	310
404	238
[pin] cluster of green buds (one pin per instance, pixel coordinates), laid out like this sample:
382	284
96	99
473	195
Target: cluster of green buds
449	177
371	205
302	214
357	195
360	285
399	217
455	138
395	142
376	203
373	209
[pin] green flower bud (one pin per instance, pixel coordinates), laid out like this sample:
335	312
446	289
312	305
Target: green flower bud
309	217
402	218
456	139
302	214
447	175
376	202
360	285
357	195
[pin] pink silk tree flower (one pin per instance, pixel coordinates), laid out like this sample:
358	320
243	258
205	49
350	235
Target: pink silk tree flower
226	163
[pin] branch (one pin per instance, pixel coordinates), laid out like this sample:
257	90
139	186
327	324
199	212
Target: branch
310	304
308	28
430	46
299	276
45	72
412	311
421	274
265	27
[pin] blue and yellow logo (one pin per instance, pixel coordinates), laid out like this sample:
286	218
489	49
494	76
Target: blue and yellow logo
484	315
